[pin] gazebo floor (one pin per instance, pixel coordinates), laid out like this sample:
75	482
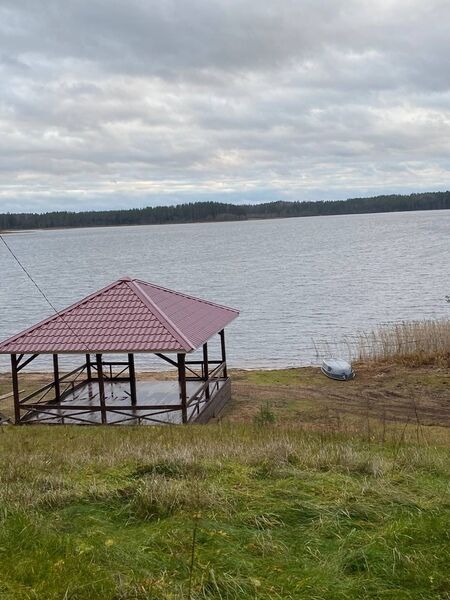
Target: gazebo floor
117	395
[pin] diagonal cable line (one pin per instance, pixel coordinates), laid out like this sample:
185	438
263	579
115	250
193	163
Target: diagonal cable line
43	294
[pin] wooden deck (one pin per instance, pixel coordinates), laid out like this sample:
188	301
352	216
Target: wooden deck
157	402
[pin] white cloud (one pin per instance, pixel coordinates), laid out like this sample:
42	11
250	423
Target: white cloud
133	103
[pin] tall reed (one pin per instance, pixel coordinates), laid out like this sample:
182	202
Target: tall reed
412	342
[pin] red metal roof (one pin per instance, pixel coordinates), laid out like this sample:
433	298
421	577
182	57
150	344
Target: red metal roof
128	315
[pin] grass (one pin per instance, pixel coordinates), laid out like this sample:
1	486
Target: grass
382	393
277	512
411	342
306	489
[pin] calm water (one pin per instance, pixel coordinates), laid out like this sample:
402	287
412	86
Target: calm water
294	280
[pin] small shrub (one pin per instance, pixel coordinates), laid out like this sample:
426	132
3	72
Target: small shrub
265	416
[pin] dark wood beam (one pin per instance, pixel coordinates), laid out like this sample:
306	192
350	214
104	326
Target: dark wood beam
71	389
101	387
20	366
56	378
224	354
167	359
175	364
132	373
182	384
88	408
15	384
206	369
88	367
200	362
50	385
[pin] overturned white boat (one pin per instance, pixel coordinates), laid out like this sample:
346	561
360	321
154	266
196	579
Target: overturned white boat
335	368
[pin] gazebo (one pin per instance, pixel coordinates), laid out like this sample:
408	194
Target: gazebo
127	317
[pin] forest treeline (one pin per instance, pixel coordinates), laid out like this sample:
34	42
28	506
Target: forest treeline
217	211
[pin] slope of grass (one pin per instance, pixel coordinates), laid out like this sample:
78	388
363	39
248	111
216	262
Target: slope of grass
222	511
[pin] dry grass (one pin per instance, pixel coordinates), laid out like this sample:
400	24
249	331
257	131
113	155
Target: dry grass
415	343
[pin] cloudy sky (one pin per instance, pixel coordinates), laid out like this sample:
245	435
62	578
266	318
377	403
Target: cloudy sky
118	103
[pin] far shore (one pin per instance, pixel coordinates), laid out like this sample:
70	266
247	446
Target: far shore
218	220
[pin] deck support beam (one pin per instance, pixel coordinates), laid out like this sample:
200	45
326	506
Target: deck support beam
88	367
15	384
167	359
206	369
182	384
132	374
224	354
21	365
56	378
101	387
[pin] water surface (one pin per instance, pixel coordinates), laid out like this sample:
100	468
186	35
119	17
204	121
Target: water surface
295	281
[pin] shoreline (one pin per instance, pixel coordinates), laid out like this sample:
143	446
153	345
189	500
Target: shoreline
212	221
382	392
150	374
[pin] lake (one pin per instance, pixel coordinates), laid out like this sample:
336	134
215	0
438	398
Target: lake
298	282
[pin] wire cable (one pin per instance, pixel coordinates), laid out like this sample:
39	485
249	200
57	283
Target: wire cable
43	294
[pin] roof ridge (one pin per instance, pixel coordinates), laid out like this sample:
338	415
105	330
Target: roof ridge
160	287
167	321
60	315
126	311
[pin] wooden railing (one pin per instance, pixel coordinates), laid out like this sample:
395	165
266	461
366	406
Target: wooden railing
48	409
206	392
49	386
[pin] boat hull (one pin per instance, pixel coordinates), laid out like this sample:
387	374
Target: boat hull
338	377
337	369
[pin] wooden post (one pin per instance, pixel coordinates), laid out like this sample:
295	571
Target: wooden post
101	387
15	384
224	355
56	377
206	369
88	367
132	373
182	384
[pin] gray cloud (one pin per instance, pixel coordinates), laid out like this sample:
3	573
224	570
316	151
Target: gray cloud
142	102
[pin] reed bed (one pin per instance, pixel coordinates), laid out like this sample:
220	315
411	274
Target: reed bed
413	342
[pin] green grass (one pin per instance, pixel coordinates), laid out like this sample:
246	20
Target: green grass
273	377
277	513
